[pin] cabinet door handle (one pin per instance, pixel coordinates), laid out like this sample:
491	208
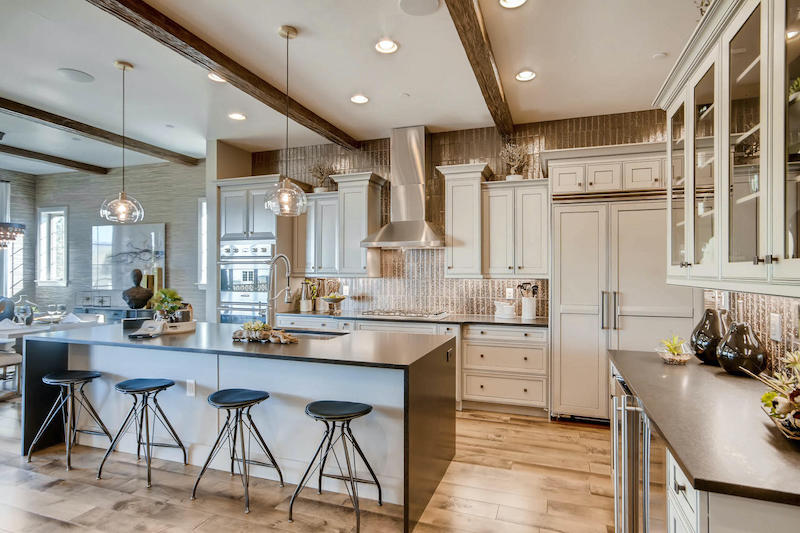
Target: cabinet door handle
616	310
603	308
449	268
757	260
511	268
590	184
481	386
769	259
524	334
524	358
483	333
524	390
678	487
481	356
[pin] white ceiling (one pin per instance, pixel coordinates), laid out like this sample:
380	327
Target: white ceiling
591	58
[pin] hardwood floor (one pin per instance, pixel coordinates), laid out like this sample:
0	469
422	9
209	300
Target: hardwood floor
511	474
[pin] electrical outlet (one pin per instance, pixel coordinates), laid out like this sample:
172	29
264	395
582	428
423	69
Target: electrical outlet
509	293
345	290
775	332
190	386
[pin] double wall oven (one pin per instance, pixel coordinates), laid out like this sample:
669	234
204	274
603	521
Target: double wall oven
243	280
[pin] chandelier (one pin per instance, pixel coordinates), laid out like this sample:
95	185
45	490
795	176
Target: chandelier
287	199
122	209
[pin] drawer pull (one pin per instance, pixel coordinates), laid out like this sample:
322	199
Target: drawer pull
483	333
524	358
481	386
481	356
679	487
524	390
511	268
524	334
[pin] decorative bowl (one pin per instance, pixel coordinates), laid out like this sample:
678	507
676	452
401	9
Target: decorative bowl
789	431
673	359
334	299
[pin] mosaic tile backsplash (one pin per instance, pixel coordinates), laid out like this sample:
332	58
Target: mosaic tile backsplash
755	310
414	280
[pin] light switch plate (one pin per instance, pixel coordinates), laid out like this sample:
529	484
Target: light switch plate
190	386
509	293
775	332
345	290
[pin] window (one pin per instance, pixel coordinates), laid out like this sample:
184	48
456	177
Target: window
248	275
14	266
51	254
202	243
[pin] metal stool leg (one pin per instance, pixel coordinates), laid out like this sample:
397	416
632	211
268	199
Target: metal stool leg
371	472
57	405
232	441
264	446
214	449
245	471
139	429
308	470
324	457
92	413
169	427
148	450
68	436
351	474
128	419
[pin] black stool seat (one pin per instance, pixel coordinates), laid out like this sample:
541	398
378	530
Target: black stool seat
70	376
143	385
232	398
335	410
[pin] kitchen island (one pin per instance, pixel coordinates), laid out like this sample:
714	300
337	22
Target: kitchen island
409	438
729	469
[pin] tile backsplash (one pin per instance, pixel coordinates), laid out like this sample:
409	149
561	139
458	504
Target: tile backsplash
414	280
755	309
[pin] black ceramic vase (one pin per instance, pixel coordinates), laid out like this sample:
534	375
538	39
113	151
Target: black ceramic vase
740	348
707	334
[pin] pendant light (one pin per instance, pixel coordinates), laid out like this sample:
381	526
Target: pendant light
287	199
9	231
123	208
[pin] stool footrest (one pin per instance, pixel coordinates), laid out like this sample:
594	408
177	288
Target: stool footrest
161	445
254	462
347	478
91	432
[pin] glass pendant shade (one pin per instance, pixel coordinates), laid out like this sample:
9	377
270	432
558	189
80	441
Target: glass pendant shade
9	231
123	209
287	199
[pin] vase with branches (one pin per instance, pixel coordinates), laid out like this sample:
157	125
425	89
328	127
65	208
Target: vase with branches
321	172
516	158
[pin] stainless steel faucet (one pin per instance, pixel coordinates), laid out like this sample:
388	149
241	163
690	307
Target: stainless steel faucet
272	296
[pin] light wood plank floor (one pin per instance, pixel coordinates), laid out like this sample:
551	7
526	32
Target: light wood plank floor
511	474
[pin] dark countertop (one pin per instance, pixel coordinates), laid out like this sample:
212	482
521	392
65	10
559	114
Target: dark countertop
539	322
715	428
359	348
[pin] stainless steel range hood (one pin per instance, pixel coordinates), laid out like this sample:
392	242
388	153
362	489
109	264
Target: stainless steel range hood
407	227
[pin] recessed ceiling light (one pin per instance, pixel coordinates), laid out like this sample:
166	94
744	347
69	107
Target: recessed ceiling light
511	4
237	116
791	34
213	76
659	55
525	75
359	99
76	75
386	46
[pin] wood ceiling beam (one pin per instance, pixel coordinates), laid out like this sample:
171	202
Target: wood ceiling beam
171	34
467	17
28	154
52	120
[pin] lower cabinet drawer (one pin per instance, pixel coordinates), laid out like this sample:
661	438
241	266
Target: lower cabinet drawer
531	359
676	523
502	389
292	322
683	493
505	333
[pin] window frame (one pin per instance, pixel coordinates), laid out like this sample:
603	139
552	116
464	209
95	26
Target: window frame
52	210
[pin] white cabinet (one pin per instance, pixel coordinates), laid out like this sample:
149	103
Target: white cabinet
359	215
316	236
583	170
567	178
463	219
643	174
604	176
516	228
242	210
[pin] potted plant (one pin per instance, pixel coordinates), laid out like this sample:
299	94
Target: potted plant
516	158
782	401
321	172
168	305
308	294
674	351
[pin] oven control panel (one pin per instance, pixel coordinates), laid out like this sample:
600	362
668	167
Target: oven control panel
246	249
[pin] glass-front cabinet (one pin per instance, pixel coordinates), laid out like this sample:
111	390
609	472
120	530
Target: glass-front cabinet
676	191
743	220
732	104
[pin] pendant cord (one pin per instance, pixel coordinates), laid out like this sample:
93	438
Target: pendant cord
123	128
286	155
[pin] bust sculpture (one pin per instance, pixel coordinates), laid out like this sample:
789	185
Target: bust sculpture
137	296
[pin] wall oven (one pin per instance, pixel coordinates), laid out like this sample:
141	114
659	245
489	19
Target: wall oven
243	280
638	463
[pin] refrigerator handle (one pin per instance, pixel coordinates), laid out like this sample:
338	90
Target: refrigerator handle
603	309
645	472
625	467
615	309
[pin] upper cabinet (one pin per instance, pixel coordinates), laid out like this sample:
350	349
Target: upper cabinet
570	172
734	144
463	219
516	228
242	210
316	236
359	215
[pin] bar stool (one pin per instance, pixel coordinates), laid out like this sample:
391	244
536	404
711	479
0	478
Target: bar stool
67	397
240	401
331	413
144	391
